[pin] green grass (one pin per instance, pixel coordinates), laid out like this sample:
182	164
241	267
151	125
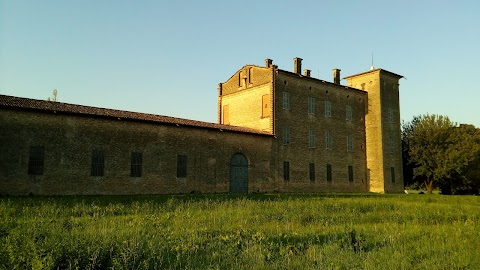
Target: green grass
329	231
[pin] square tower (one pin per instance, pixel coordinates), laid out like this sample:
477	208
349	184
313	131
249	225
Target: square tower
382	129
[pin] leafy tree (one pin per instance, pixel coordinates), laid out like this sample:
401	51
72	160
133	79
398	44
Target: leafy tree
468	182
438	149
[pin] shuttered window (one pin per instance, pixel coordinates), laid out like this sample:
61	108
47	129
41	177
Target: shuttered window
182	166
226	115
98	163
311	138
350	173
36	160
286	170
265	106
136	165
329	172
311	169
311	105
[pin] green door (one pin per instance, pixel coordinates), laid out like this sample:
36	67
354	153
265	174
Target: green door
238	174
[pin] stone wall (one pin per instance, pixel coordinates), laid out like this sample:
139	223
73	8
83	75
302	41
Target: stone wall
299	153
70	139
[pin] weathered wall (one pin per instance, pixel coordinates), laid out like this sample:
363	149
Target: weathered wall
244	94
299	154
381	131
70	139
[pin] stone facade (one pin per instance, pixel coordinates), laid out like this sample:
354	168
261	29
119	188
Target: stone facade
277	131
69	140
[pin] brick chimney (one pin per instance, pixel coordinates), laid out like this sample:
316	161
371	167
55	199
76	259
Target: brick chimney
336	76
297	65
268	62
306	72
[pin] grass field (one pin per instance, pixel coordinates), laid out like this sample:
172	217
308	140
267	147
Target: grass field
329	231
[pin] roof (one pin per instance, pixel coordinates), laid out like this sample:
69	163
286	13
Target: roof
320	80
375	70
66	108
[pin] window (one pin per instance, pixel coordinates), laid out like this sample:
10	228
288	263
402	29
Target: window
350	173
311	105
328	108
349	143
329	173
265	106
250	75
136	167
240	78
390	115
391	144
36	160
392	174
286	170
349	113
286	135
182	166
226	115
98	163
286	101
328	140
311	138
311	169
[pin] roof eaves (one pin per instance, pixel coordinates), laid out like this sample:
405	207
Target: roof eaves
322	81
66	108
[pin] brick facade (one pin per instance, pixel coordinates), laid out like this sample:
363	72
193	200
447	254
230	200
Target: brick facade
332	137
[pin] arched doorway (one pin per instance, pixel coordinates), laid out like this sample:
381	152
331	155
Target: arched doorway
238	174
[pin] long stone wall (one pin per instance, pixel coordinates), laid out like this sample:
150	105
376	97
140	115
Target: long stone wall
69	141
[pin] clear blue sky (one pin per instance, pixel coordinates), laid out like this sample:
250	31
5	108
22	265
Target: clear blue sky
167	57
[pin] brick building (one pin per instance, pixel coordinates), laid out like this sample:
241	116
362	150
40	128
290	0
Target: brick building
277	131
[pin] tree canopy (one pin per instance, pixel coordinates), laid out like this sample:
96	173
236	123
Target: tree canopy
438	150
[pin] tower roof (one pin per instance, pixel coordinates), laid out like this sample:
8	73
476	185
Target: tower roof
375	70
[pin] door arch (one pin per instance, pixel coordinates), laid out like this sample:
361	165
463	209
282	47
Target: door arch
238	174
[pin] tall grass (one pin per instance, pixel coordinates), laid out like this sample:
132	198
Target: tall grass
242	232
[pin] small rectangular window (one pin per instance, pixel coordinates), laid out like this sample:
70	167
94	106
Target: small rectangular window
286	170
391	144
311	138
286	101
328	140
98	163
328	108
311	169
36	160
392	174
136	165
349	113
226	115
390	116
265	106
349	143
182	166
311	105
350	173
240	78
286	135
329	173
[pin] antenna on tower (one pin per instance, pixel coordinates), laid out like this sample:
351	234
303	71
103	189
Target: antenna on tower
55	92
371	67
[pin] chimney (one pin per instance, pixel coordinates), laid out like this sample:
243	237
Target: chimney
336	76
297	65
306	72
268	62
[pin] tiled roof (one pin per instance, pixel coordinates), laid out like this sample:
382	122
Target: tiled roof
60	107
319	80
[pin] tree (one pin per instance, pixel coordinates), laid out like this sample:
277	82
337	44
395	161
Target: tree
438	149
468	182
